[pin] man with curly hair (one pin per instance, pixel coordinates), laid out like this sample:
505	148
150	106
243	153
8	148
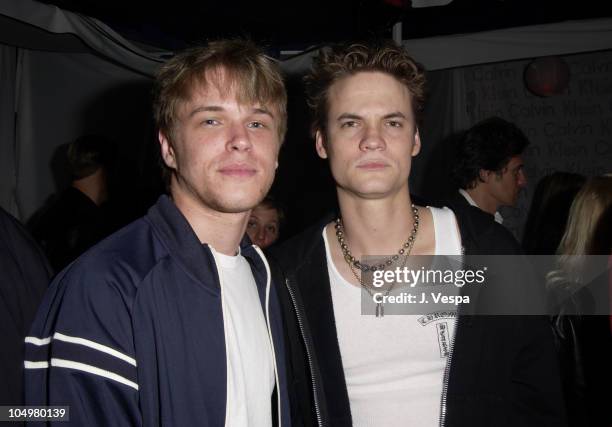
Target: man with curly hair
354	367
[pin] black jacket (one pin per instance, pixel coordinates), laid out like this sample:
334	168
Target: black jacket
584	346
24	276
502	371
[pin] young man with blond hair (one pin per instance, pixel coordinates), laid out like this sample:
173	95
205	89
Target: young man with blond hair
354	369
173	320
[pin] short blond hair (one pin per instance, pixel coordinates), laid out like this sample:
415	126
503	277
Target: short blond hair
237	63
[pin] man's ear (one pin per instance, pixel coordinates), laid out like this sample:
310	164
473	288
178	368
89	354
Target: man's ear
416	147
320	144
167	151
484	175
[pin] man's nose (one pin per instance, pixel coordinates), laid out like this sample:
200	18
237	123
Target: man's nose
522	178
238	138
261	234
372	139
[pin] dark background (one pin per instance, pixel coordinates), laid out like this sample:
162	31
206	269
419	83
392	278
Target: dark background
294	25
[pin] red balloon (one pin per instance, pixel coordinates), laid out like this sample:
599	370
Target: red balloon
547	76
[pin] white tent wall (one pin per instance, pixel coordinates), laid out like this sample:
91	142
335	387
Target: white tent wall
61	96
508	44
62	75
460	50
36	25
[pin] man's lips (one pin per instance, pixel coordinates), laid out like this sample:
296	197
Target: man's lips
238	170
372	164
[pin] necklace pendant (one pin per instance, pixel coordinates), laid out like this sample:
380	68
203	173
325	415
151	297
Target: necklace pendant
380	312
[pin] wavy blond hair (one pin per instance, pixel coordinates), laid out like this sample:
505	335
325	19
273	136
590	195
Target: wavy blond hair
593	199
589	217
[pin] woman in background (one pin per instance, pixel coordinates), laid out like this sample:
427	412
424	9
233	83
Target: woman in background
584	341
549	210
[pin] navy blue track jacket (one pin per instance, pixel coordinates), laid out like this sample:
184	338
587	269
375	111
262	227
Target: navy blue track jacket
132	333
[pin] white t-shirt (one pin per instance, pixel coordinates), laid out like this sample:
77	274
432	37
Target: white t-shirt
394	365
250	369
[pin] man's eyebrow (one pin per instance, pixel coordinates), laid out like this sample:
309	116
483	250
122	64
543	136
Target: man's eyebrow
347	116
217	109
351	116
206	108
394	115
261	110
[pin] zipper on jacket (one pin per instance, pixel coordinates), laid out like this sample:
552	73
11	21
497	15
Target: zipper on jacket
308	355
448	364
446	374
267	315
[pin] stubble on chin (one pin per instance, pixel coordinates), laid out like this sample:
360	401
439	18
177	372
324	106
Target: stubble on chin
233	201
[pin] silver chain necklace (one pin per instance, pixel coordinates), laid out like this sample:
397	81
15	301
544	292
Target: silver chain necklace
354	264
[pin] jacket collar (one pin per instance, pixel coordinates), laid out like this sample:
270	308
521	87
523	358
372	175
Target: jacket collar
183	244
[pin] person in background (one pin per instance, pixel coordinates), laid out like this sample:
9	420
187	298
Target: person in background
584	341
488	166
549	210
24	276
265	222
73	221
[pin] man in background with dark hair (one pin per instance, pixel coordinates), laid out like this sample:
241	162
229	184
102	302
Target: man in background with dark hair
488	167
73	221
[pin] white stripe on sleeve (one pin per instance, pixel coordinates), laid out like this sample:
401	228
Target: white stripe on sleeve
92	344
37	341
27	364
70	364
